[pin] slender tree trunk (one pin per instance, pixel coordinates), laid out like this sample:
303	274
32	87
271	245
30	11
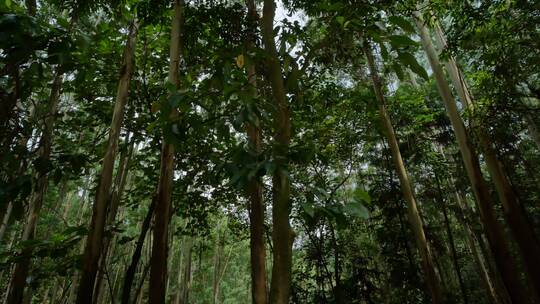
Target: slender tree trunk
533	129
218	261
495	295
282	234
451	242
5	220
514	213
185	285
256	209
18	280
494	230
139	290
116	196
132	268
94	242
428	265
72	295
158	262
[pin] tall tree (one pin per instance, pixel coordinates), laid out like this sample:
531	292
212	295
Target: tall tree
282	234
256	208
17	283
513	210
428	265
94	242
494	230
158	268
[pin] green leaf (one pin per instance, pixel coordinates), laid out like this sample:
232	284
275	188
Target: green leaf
361	195
384	52
356	209
398	41
398	70
308	209
409	60
340	20
403	23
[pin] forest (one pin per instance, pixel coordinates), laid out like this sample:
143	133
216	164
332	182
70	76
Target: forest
270	151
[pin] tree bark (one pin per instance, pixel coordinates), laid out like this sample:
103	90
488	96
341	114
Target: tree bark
495	295
185	283
514	213
451	242
18	280
428	265
5	220
94	242
282	235
136	257
533	129
255	189
116	197
494	230
158	262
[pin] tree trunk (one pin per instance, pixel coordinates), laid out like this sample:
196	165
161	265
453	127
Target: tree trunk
158	262
494	230
116	197
428	265
94	241
514	213
5	220
451	242
18	280
495	295
533	129
132	268
282	235
185	283
256	209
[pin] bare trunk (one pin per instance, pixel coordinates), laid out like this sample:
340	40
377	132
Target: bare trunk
185	283
282	235
496	295
20	272
118	189
494	230
514	213
132	268
533	129
451	242
158	262
256	209
428	265
5	220
94	242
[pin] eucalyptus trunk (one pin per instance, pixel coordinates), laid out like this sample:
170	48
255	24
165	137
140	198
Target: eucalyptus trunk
17	283
5	220
116	196
451	242
513	210
494	231
158	262
282	235
255	189
94	242
129	277
428	265
533	129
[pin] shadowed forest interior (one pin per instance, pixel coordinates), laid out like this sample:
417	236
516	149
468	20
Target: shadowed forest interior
270	151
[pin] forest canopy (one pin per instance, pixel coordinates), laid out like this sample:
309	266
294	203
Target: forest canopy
270	151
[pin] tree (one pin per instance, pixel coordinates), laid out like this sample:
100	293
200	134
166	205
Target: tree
158	268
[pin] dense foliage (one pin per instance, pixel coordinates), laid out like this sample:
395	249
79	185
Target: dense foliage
296	151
